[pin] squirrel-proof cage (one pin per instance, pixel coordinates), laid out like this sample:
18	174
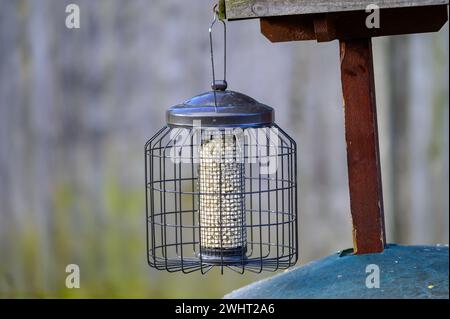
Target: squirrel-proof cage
221	188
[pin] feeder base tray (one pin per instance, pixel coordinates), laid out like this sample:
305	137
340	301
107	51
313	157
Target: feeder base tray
214	256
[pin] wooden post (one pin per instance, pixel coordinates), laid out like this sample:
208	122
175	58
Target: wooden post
363	156
344	20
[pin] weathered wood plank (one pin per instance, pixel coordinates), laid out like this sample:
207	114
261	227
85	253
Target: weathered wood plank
245	9
351	24
363	155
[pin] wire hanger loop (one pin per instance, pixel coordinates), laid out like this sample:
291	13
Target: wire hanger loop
218	85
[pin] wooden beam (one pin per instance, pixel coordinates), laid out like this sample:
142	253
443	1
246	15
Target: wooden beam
351	24
363	156
247	9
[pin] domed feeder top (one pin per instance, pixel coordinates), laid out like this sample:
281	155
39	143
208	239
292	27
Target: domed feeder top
220	108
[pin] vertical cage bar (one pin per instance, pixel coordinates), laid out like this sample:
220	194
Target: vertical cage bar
259	203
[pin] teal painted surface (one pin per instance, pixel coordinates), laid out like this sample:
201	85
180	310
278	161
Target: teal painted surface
405	272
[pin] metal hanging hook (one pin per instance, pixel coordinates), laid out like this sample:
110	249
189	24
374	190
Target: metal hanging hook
220	85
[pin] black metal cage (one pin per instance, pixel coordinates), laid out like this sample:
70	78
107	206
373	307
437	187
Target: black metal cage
221	195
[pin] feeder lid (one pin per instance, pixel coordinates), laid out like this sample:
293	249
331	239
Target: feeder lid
233	110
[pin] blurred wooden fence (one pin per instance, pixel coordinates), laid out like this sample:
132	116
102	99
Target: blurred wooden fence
76	107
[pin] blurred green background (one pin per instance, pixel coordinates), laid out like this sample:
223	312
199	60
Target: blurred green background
77	106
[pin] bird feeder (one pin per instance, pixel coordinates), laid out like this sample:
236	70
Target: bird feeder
221	186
